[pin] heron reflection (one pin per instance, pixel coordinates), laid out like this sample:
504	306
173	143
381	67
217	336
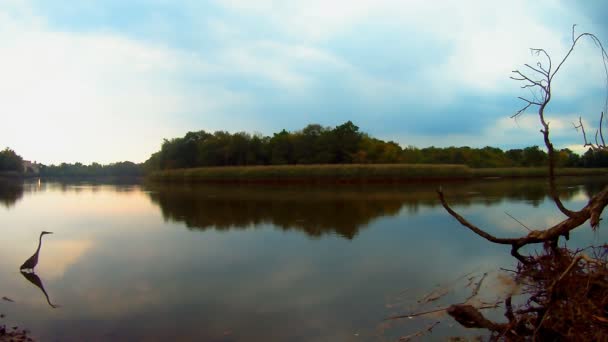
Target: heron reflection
35	279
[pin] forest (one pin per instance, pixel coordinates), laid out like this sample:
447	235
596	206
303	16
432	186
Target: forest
343	144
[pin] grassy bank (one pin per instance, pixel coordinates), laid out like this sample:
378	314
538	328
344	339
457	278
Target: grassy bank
316	173
354	173
531	172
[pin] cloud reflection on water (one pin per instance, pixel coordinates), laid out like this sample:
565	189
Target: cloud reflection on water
123	273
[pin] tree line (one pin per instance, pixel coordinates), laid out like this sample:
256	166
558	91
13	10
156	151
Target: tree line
10	161
314	144
343	144
120	169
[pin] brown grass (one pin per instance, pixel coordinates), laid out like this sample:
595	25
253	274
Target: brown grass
355	173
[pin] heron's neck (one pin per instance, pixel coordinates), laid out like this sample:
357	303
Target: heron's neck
39	243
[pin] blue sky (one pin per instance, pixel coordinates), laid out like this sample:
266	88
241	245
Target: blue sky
108	80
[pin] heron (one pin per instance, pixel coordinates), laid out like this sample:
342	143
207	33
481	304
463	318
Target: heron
30	263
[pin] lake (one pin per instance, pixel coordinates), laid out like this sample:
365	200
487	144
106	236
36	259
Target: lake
152	262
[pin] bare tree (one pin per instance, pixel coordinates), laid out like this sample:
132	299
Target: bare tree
539	80
567	290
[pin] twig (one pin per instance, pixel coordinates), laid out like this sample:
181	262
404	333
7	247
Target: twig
420	333
476	290
442	291
516	220
416	314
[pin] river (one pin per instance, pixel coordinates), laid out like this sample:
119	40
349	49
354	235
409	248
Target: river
152	262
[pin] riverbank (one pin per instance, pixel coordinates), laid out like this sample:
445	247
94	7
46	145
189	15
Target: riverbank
10	175
356	173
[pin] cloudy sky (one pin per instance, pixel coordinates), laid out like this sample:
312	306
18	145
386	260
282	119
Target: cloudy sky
108	80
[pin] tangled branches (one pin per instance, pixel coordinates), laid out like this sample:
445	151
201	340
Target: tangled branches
567	299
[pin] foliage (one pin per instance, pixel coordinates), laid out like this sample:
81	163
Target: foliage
120	169
10	161
344	144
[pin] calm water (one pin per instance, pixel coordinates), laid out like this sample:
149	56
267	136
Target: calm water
255	263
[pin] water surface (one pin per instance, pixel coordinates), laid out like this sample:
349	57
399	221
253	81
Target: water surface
251	263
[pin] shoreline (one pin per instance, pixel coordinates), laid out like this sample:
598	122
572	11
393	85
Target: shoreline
357	173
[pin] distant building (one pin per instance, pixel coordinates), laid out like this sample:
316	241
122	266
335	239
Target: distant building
29	167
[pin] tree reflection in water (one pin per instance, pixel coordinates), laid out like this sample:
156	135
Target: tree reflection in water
11	191
317	210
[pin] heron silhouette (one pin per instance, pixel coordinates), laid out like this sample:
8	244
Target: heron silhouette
30	263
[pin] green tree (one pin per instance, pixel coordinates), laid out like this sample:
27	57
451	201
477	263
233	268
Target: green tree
10	161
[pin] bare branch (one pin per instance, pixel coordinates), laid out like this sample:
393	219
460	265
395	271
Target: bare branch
538	52
600	129
540	66
416	314
471	226
420	333
530	102
540	71
476	290
518	221
592	212
582	127
523	77
521	110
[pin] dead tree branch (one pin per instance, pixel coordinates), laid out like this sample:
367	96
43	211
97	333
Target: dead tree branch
592	212
540	80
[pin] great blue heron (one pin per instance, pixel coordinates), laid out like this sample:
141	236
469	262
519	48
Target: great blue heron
30	263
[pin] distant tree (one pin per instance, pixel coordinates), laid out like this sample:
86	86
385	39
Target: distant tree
10	161
120	169
281	149
566	158
533	156
346	139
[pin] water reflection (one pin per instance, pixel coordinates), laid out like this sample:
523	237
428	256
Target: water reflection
313	211
255	284
34	279
341	210
10	192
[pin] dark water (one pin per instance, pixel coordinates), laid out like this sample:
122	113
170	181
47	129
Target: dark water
256	263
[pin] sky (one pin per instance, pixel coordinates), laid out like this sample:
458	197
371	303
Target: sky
107	81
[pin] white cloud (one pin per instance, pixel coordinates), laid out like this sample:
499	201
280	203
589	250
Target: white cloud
505	131
485	40
108	96
97	97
